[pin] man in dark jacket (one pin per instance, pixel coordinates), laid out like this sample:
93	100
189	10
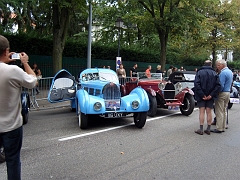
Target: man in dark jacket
206	89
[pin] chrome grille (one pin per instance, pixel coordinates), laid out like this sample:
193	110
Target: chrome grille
111	91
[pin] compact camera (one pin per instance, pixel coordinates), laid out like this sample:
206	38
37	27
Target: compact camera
16	56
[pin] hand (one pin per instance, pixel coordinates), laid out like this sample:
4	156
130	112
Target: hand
204	98
10	58
24	57
209	97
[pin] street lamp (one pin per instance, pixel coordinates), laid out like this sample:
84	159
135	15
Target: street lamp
119	25
89	35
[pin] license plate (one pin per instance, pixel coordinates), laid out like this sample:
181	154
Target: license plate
173	108
113	115
112	104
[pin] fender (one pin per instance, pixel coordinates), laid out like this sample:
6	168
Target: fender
150	91
82	98
182	94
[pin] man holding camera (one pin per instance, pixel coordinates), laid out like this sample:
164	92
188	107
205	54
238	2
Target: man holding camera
12	79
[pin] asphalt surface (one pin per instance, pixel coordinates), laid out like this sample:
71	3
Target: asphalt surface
166	148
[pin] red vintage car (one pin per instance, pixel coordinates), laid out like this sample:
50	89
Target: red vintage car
164	93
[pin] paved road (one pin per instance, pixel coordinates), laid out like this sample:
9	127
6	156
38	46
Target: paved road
165	149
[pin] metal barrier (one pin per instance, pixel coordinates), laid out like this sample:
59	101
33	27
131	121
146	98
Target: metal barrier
40	92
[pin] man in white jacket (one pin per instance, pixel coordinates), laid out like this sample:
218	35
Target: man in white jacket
12	79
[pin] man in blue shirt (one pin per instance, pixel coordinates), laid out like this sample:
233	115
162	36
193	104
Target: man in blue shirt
221	103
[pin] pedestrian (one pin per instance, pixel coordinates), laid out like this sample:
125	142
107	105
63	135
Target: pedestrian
109	67
206	88
221	103
133	71
12	79
169	71
121	73
159	69
148	71
38	73
181	68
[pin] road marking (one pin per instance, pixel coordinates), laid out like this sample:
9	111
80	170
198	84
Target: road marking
113	128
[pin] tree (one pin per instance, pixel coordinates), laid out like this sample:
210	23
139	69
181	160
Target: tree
62	12
171	17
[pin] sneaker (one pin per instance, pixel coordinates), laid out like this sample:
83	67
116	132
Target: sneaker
207	132
199	132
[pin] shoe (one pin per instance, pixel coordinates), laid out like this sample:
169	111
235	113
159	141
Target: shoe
226	127
38	92
199	132
207	132
213	123
215	131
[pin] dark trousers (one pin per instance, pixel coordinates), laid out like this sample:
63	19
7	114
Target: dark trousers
12	143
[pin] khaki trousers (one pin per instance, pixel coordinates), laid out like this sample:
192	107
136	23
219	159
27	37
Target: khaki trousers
221	110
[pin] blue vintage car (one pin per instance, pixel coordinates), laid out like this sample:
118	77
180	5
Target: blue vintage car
97	92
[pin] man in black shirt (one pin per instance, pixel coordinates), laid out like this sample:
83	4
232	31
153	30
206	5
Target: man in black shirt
133	71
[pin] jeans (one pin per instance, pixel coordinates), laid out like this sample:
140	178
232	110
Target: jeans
12	143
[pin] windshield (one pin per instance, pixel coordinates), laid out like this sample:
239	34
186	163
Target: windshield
189	77
142	75
107	76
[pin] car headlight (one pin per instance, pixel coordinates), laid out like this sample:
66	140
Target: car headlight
97	106
161	86
179	86
135	104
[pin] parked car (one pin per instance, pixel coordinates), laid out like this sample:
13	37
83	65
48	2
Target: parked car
236	84
2	155
234	97
97	92
25	99
163	93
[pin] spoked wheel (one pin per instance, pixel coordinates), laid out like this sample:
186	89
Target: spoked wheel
82	119
153	105
140	119
2	155
188	105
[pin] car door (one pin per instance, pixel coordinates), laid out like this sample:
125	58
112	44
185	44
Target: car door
63	87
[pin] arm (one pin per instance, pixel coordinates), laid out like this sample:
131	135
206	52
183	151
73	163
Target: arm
124	73
24	59
130	73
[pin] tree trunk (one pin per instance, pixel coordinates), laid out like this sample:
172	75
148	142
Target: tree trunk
214	56
61	19
163	36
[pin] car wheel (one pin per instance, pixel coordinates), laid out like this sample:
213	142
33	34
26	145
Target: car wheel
25	118
153	105
188	105
230	105
140	119
82	119
2	155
